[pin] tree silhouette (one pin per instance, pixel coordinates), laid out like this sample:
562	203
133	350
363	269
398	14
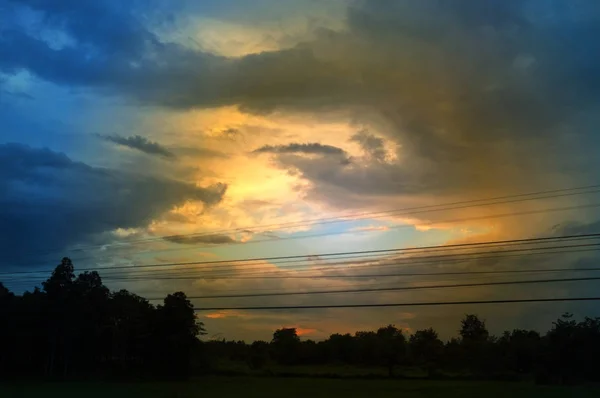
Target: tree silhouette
475	339
426	349
74	327
286	345
519	349
473	330
176	328
259	354
391	347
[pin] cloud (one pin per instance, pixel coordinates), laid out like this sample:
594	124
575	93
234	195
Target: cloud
49	202
198	152
230	133
369	228
141	144
194	239
304	331
478	98
309	148
474	98
577	228
372	145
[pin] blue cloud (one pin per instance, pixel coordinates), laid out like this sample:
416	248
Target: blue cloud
141	144
48	201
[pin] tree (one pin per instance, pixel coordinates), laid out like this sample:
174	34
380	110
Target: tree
367	348
567	348
7	328
340	348
59	291
130	332
426	349
259	354
391	347
286	345
473	329
5	294
75	327
90	322
476	345
175	335
587	346
61	279
519	349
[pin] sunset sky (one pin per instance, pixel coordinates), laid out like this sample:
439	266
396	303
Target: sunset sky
156	132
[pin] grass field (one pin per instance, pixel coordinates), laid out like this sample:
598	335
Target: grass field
244	387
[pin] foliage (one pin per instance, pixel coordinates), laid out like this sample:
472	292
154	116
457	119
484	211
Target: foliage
74	328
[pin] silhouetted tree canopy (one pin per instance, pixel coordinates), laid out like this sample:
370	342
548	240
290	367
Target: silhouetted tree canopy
75	327
473	330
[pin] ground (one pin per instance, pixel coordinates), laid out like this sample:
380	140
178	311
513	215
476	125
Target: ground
247	387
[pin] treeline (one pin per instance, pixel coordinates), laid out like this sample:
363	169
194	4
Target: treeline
568	353
75	328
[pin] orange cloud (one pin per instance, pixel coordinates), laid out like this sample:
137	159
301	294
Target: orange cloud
300	331
224	314
303	331
371	228
216	315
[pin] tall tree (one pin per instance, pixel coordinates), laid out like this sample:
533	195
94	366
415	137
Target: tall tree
391	347
286	345
426	349
176	330
519	349
473	329
474	343
60	317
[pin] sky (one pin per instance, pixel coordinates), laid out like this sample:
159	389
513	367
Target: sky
160	132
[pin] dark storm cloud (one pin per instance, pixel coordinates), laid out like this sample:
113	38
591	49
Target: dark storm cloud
48	201
195	239
141	144
577	228
481	96
373	146
112	49
401	32
312	148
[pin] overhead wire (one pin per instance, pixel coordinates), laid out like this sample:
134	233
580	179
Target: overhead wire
389	289
413	249
406	211
405	304
405	263
352	232
432	259
454	273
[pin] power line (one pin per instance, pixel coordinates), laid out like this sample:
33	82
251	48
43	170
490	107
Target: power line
409	304
369	214
335	254
409	261
403	211
26	279
390	289
134	278
373	276
325	234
